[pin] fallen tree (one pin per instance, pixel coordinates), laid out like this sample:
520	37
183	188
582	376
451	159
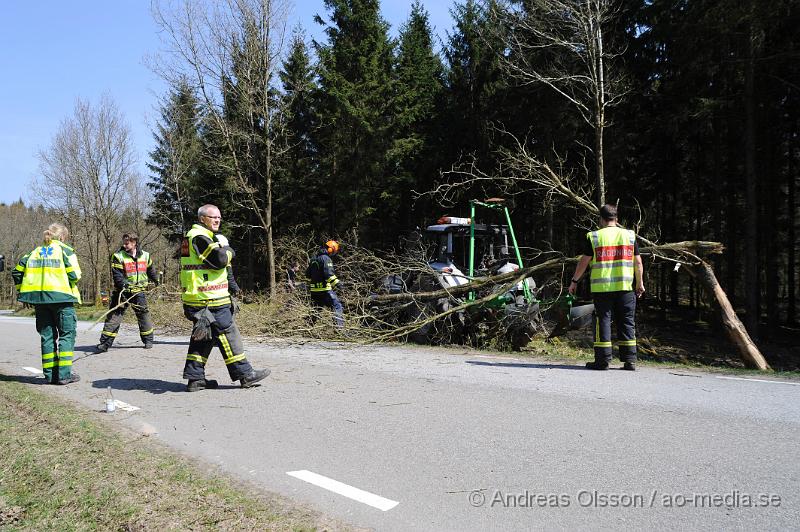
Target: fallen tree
698	248
522	171
735	329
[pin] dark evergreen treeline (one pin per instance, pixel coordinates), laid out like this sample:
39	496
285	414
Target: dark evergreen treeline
702	136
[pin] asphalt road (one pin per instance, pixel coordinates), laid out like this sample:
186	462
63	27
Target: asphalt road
433	439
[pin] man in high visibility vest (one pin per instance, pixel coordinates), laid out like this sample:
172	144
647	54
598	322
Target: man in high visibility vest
131	270
323	281
208	282
616	279
47	278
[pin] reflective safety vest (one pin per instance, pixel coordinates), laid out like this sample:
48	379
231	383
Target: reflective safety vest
48	274
202	285
612	262
320	273
134	269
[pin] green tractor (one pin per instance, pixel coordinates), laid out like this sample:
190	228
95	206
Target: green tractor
461	249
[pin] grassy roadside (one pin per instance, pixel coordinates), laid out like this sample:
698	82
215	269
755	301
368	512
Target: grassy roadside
63	470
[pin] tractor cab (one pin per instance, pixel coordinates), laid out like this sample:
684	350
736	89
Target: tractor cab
449	249
464	249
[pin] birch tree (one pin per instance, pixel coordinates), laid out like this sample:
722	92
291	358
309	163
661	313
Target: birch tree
562	44
231	51
86	175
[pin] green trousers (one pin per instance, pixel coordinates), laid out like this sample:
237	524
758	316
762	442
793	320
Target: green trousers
56	323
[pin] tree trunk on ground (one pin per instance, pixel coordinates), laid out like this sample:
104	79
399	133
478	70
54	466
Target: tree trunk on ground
702	272
737	333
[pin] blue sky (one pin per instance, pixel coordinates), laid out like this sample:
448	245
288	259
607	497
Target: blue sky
54	52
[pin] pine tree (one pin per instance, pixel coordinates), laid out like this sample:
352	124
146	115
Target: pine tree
298	196
179	171
355	72
419	93
473	82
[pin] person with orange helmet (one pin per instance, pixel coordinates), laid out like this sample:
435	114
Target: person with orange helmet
323	281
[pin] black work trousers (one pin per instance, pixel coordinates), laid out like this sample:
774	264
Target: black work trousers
621	306
225	335
329	299
138	301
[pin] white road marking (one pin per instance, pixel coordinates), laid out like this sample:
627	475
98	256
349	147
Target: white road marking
33	370
125	406
760	380
376	501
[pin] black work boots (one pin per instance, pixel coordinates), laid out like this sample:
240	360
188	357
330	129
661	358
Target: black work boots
253	377
248	381
74	377
201	384
602	366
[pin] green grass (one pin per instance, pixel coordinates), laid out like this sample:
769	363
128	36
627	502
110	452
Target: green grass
64	470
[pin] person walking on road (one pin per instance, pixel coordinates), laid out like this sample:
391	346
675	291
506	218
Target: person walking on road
208	282
47	278
323	282
131	270
617	279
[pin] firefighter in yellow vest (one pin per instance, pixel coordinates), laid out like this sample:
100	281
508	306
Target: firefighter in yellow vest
47	278
616	279
131	270
208	282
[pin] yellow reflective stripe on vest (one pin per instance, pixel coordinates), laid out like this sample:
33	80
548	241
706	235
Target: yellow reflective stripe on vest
201	284
204	255
324	286
45	271
135	269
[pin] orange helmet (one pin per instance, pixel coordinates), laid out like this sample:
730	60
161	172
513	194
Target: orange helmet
332	246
